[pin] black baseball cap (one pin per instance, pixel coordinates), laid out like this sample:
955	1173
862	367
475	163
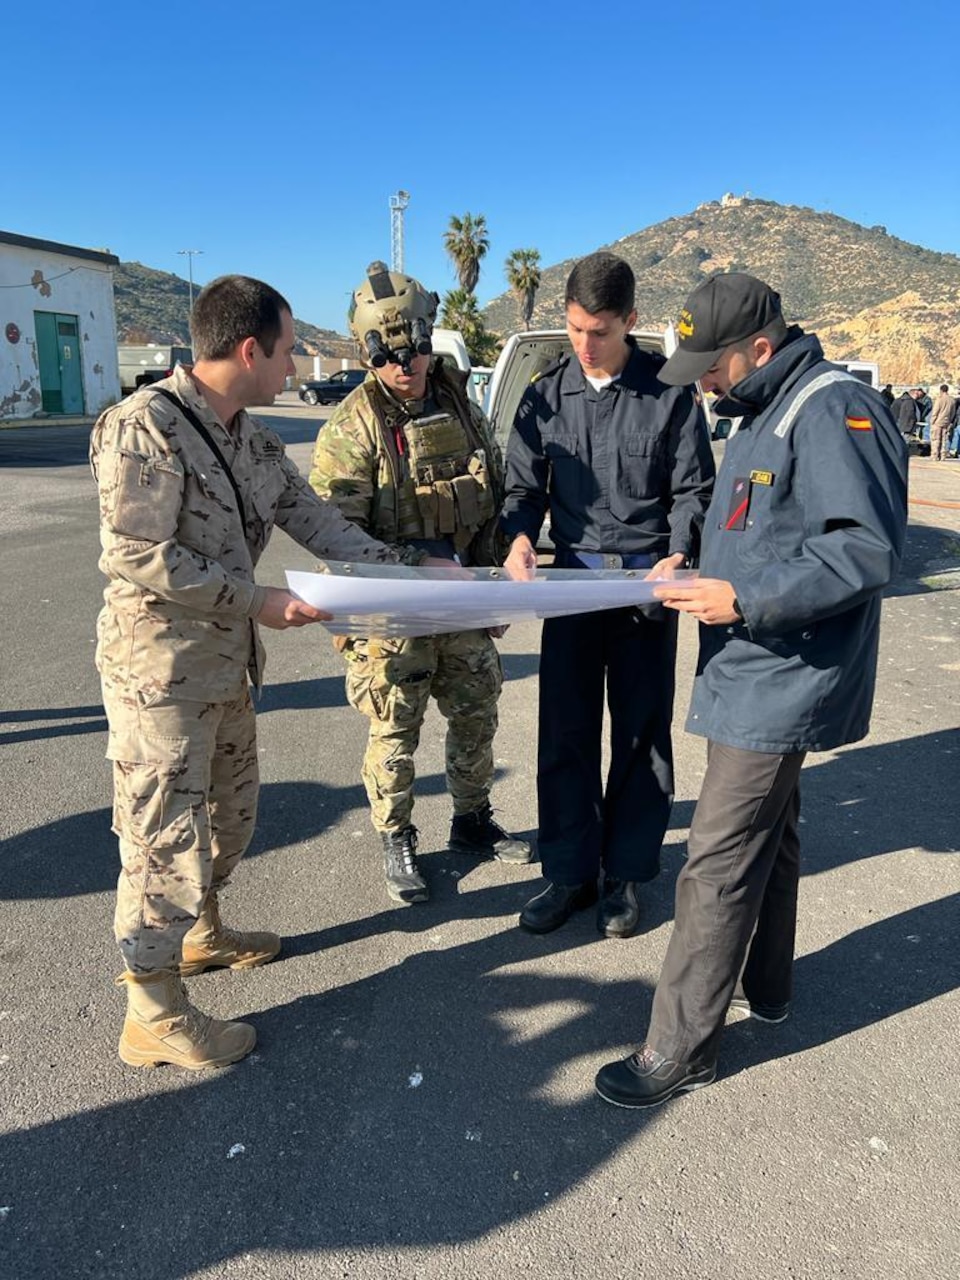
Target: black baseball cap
723	310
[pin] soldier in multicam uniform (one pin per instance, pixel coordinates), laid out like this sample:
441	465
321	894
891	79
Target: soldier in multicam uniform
410	459
190	489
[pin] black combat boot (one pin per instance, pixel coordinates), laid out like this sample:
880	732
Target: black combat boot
405	884
619	912
477	834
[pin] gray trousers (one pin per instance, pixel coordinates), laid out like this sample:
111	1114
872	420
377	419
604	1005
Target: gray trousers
736	905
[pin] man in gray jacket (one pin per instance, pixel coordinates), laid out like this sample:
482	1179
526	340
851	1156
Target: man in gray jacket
805	529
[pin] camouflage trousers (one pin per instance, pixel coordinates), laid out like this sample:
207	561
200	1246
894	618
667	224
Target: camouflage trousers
185	784
391	682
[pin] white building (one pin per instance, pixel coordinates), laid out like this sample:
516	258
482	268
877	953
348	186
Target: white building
58	329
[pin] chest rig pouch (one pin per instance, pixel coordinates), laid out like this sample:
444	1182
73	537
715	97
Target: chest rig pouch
446	490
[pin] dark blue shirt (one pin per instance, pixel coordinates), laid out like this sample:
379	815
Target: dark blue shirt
627	469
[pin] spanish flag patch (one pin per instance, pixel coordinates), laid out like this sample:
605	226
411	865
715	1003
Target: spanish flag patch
859	424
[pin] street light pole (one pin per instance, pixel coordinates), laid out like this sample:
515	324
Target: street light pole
190	255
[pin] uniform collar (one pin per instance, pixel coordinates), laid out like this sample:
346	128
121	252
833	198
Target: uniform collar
573	380
184	386
759	389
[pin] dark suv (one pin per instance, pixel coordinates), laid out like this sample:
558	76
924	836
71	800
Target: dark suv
333	389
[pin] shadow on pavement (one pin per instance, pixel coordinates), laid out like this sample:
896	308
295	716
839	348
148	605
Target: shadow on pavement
435	1102
927	550
860	804
867	976
406	1108
94	715
78	854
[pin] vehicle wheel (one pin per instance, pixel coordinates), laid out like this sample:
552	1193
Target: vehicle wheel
311	397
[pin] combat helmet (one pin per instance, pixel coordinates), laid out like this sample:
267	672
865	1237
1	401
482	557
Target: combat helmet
391	318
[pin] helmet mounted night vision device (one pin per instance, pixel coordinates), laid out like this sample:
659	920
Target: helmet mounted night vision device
391	318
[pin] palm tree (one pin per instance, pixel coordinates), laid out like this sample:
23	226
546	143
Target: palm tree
466	241
459	311
522	269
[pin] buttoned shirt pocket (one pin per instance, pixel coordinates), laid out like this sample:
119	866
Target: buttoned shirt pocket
641	467
569	474
139	494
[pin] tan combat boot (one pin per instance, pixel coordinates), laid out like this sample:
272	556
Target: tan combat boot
163	1026
209	945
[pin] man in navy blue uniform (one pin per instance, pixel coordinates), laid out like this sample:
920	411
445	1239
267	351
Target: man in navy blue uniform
624	465
805	529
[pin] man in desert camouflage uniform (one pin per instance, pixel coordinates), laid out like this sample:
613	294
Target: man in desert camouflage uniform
410	459
190	489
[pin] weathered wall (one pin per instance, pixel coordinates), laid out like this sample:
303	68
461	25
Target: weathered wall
38	280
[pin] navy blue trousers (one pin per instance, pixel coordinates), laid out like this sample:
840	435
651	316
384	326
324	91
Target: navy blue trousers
586	827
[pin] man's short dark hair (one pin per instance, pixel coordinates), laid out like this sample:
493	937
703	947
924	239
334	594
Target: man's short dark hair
943	386
602	282
232	308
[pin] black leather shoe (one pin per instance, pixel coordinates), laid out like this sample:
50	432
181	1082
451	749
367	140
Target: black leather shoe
647	1078
555	905
619	912
773	1013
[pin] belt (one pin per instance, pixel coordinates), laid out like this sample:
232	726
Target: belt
568	559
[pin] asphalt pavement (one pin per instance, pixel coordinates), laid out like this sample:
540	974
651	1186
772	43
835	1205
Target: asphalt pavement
420	1103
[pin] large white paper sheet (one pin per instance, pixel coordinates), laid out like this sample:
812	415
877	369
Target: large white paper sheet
396	600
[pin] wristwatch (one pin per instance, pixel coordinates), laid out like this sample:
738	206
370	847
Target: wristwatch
736	608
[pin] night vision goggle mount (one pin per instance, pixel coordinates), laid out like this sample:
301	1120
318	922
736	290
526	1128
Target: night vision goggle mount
391	318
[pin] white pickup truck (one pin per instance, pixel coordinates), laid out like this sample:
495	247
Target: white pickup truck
449	344
524	356
141	365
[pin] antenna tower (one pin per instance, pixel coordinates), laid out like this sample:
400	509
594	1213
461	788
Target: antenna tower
398	203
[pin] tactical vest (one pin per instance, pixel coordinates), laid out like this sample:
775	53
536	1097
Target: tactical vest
445	488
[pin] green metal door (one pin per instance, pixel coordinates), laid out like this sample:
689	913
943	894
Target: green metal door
58	357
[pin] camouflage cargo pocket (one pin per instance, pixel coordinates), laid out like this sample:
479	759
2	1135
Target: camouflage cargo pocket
153	805
140	495
366	695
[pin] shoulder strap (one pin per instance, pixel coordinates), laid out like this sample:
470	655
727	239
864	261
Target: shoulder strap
804	394
209	441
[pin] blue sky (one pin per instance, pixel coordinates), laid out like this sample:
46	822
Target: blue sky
271	137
